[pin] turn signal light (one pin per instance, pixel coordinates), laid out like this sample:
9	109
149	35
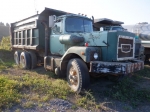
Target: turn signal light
86	44
82	53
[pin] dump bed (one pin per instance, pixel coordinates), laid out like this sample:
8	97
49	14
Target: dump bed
26	35
29	33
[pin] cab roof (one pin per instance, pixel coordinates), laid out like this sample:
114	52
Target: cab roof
107	21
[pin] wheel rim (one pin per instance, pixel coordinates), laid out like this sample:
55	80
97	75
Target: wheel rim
149	59
22	61
73	78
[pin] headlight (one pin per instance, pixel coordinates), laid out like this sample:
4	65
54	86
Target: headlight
95	55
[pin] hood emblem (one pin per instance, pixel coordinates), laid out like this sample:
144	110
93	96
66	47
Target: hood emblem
125	48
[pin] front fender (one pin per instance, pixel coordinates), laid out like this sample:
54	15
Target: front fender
86	53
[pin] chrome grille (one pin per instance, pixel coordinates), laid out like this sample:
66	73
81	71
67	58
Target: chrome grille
125	48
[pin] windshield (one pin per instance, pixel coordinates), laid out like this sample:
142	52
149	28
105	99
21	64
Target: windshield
117	28
106	28
74	24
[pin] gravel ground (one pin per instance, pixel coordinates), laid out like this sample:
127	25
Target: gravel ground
54	105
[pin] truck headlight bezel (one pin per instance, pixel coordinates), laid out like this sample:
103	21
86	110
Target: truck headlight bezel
95	55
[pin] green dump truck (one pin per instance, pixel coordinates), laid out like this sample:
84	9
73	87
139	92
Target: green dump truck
68	46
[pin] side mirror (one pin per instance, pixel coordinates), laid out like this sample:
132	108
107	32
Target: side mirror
56	29
52	20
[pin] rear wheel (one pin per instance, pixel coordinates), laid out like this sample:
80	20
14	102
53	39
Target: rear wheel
17	57
33	60
25	60
77	75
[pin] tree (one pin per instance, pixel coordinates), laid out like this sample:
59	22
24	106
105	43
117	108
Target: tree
7	25
2	24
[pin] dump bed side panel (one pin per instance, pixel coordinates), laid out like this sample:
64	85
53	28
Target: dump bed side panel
27	34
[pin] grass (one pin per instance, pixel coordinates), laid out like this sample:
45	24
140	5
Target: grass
32	87
144	73
125	91
86	100
9	94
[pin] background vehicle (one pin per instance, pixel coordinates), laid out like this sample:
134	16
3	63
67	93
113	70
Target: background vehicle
107	24
142	31
68	46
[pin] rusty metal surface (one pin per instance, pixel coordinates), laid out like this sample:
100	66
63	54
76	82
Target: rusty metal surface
116	67
35	47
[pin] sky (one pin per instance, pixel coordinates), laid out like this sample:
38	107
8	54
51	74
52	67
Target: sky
127	11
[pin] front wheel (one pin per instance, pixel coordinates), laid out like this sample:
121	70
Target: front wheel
77	75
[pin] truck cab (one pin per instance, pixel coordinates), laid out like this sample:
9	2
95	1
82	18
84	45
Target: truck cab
66	26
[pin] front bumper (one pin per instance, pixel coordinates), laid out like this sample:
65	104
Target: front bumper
116	67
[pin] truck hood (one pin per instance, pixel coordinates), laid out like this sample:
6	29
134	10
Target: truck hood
96	38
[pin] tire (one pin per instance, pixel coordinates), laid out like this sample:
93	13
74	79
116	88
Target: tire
25	60
17	57
33	60
77	75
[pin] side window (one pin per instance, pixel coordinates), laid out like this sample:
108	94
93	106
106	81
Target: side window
57	28
35	33
28	33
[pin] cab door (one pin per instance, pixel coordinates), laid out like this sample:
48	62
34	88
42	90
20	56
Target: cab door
56	47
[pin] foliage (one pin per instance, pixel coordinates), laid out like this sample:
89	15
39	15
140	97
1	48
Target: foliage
5	44
9	94
127	90
86	100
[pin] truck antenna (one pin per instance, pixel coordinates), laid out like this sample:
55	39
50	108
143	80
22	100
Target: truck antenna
35	7
93	18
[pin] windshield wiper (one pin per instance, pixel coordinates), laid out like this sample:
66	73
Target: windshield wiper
76	31
79	31
71	31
